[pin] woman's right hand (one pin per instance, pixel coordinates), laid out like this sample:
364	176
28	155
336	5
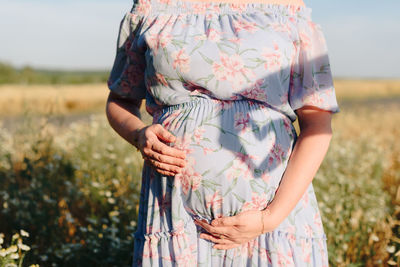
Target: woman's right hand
164	159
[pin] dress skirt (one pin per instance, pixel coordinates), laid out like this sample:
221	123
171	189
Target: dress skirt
237	152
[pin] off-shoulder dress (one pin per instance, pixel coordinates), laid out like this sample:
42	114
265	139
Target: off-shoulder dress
225	79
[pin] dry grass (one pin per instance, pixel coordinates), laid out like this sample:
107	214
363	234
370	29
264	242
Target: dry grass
65	99
54	99
358	185
367	89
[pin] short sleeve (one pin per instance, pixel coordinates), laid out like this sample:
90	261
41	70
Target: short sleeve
311	81
127	74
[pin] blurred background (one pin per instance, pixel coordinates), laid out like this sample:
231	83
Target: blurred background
69	185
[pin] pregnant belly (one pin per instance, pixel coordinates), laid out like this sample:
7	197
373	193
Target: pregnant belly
236	154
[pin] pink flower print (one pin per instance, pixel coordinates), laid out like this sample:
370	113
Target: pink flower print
181	60
318	223
305	199
273	57
200	37
237	169
247	249
270	161
198	134
285	260
278	152
306	249
324	256
305	41
237	6
200	8
285	97
246	158
187	256
165	204
235	40
232	69
209	16
291	231
167	2
183	142
143	7
265	255
313	99
150	249
161	79
293	10
279	27
152	41
189	178
266	177
287	125
258	202
224	104
207	150
256	92
164	39
133	76
215	203
213	35
179	228
170	123
240	24
308	230
241	121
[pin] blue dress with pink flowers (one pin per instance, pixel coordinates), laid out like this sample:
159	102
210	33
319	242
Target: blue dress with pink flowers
226	80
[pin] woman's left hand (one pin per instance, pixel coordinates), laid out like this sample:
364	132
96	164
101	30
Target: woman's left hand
231	232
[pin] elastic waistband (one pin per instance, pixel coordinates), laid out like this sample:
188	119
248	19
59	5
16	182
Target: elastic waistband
217	103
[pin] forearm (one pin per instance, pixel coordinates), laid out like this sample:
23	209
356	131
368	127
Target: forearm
305	160
124	118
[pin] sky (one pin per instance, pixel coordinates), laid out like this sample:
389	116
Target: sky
362	36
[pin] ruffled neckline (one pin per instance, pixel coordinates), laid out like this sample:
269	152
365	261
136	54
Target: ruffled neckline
178	7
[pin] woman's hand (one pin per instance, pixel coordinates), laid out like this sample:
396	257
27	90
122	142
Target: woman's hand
163	158
231	232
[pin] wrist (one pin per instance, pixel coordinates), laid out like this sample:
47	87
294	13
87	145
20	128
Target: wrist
135	137
274	216
269	220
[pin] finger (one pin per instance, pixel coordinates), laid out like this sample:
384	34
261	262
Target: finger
216	239
211	229
165	150
229	246
164	167
225	221
164	134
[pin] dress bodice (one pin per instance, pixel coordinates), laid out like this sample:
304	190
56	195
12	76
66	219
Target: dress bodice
170	51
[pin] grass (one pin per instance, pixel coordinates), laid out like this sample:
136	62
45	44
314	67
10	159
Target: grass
75	187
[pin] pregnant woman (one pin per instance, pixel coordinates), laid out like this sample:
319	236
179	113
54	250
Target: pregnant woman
226	181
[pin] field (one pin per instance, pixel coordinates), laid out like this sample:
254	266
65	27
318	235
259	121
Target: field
70	182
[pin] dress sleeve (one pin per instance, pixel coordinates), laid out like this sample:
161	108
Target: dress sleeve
311	82
127	74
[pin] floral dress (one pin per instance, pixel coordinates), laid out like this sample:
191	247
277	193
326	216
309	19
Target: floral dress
225	79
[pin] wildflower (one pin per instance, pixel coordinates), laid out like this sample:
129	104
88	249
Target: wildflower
24	233
14	256
23	247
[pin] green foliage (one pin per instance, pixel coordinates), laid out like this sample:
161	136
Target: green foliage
28	75
76	195
13	255
352	199
76	191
